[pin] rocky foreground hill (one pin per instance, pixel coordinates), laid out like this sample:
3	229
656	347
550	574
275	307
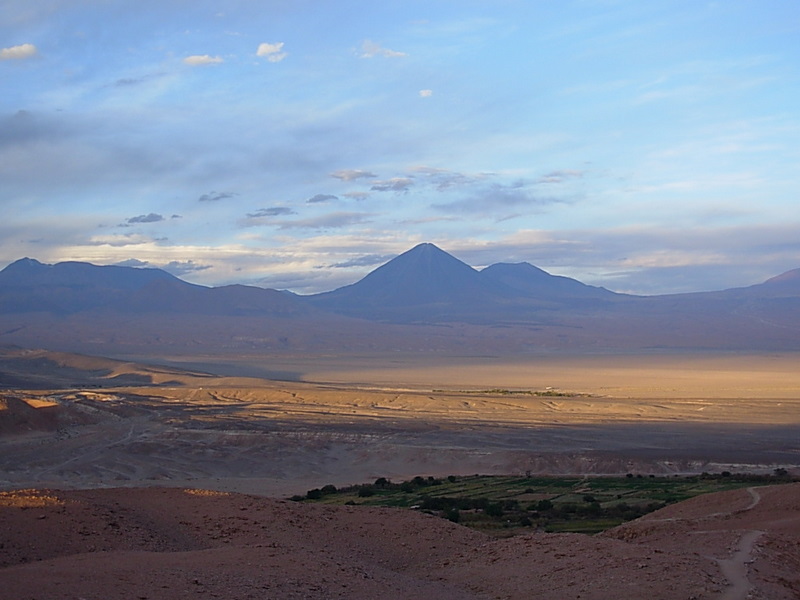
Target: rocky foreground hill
184	543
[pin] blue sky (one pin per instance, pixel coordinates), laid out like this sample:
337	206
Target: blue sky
647	146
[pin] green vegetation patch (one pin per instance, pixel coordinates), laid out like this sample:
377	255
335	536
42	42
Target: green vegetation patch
505	505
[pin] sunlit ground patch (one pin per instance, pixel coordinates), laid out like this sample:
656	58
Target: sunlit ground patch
29	499
196	492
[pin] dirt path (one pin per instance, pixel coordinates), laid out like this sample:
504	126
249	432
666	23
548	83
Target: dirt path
735	568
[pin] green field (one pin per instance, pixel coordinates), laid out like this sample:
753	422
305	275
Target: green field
506	505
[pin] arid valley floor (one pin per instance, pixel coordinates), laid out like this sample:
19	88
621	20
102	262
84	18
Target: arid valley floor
113	435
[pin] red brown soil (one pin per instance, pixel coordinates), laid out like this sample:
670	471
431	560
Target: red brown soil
159	543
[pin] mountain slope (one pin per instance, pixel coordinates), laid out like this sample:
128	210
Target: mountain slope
421	284
424	299
28	285
533	282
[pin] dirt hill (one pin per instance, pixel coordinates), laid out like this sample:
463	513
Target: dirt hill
171	543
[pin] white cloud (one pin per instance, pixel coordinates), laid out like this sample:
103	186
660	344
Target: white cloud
272	52
18	52
351	174
198	60
425	93
370	49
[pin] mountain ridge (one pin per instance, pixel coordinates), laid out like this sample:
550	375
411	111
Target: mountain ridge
422	300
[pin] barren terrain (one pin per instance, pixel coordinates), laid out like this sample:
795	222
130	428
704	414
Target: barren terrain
164	543
593	415
191	468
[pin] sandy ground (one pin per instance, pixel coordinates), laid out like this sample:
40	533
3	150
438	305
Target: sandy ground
167	543
99	534
649	415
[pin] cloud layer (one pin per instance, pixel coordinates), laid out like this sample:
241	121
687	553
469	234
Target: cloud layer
645	149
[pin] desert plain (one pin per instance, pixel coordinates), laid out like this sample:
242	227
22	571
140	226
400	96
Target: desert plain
96	457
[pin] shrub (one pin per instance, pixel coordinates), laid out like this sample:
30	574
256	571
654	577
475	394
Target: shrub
494	510
365	491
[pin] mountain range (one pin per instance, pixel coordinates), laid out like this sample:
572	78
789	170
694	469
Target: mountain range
423	300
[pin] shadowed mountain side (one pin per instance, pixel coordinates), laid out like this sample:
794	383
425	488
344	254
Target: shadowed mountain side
533	282
424	284
425	300
71	287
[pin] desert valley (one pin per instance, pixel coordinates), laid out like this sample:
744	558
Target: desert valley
152	431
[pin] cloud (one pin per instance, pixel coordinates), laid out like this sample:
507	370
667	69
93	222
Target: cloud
425	93
498	195
333	220
272	52
321	198
395	184
367	260
134	81
216	196
356	195
351	174
119	240
181	268
199	60
265	216
370	49
132	262
560	176
20	52
444	179
151	218
274	211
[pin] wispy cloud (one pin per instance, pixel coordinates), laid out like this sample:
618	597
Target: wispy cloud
321	198
216	196
19	52
179	268
369	49
352	174
200	60
273	52
488	199
274	211
395	184
560	175
149	218
445	179
330	221
368	260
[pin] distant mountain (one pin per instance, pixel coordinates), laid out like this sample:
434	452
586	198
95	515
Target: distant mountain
28	285
422	284
428	285
785	284
422	300
533	282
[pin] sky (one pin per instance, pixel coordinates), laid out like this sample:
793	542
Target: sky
649	147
